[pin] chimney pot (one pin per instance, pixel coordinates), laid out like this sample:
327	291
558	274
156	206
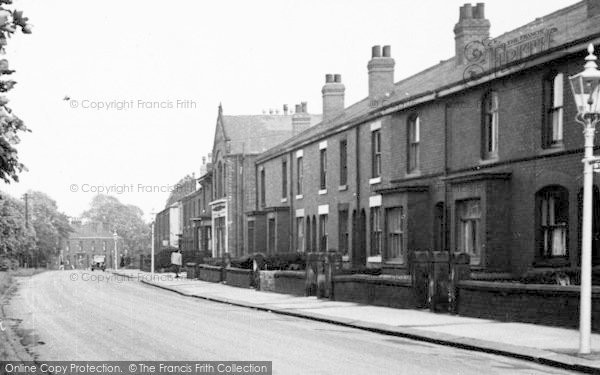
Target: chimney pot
328	78
387	51
479	12
468	9
298	108
376	51
304	109
285	109
337	78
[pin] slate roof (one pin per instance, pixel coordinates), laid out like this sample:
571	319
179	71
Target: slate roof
571	24
252	134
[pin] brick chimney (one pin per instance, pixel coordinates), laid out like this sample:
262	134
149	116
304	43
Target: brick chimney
472	26
300	119
333	96
381	72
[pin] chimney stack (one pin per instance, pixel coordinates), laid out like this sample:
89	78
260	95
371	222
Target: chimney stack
300	119
333	96
472	26
381	72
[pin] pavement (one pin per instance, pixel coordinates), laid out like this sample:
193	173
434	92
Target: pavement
552	346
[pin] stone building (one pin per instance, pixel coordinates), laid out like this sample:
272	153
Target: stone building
89	239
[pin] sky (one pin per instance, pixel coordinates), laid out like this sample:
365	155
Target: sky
144	78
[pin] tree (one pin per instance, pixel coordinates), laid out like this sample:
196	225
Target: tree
16	239
50	225
10	125
126	220
185	186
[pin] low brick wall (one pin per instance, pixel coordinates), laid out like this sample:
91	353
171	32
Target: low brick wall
384	290
286	282
213	274
553	305
238	277
290	282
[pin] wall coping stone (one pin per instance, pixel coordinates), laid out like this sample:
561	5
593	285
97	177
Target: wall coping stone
392	280
524	288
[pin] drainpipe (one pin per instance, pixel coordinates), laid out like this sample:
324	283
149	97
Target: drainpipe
290	193
358	215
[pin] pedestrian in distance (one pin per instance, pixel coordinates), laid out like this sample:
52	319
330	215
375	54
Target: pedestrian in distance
176	261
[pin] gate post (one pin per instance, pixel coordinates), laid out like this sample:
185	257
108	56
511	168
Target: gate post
419	271
439	281
460	270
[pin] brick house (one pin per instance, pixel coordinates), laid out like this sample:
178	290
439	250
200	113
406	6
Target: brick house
478	154
196	223
238	141
89	239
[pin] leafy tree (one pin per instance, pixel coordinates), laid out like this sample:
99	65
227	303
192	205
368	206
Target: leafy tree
16	239
127	220
10	125
51	226
185	186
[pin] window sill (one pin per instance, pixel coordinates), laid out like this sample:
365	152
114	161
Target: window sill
489	160
299	196
551	149
342	187
375	180
374	259
413	173
283	200
322	191
396	262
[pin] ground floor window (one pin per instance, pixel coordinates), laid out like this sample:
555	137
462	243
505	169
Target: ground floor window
344	234
395	234
552	221
271	236
469	228
323	233
300	234
250	237
220	236
376	231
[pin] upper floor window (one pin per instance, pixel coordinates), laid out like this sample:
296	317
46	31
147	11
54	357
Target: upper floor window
414	138
553	113
552	206
263	187
284	178
343	162
490	125
299	175
323	163
376	153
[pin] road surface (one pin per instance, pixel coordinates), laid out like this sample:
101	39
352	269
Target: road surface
75	318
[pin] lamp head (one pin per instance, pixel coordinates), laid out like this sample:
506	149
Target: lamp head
586	85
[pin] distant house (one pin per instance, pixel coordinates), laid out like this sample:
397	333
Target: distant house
89	239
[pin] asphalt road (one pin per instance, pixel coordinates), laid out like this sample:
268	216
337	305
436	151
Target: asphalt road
71	317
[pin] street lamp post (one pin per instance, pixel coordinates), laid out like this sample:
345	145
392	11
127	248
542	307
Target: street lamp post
585	87
116	237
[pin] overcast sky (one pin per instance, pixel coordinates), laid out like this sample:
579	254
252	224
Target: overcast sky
249	55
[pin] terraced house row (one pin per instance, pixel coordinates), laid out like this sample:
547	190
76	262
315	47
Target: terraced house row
479	154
